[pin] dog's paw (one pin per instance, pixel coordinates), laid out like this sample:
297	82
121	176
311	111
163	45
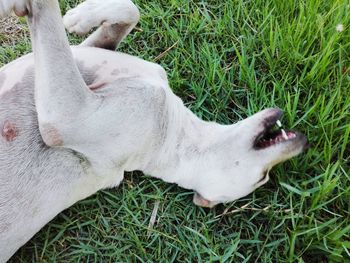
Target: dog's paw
20	7
93	13
81	19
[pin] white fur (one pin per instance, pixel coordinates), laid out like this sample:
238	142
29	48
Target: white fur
134	122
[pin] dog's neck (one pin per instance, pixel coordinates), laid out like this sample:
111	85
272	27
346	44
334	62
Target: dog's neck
185	146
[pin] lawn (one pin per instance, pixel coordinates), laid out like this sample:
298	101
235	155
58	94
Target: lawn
228	60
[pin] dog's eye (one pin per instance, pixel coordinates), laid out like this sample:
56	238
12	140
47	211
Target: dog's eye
264	177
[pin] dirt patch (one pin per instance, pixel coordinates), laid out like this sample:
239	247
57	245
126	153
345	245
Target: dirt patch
12	30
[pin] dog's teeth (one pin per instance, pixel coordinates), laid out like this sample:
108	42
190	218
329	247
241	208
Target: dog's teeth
284	134
279	124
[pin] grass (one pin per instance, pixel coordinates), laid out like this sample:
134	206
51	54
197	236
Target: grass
230	59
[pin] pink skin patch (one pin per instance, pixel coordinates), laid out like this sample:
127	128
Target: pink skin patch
9	131
96	86
50	135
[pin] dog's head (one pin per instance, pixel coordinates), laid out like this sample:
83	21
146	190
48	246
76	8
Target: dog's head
242	158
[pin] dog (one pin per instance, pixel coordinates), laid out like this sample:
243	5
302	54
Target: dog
74	119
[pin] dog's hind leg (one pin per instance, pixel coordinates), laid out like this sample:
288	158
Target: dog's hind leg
116	19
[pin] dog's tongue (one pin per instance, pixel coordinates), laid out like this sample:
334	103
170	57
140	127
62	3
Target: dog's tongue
201	201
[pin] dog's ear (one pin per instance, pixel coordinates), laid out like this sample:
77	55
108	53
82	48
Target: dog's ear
201	201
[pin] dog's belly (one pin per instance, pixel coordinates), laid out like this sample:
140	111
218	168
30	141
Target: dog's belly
107	66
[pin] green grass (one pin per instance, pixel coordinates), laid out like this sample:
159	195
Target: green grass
229	60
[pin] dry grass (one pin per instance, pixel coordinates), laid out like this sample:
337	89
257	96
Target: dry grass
12	30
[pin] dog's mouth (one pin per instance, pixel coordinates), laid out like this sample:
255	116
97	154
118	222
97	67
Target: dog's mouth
272	137
274	134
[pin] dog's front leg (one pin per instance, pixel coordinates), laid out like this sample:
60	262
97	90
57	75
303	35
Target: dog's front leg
69	114
61	96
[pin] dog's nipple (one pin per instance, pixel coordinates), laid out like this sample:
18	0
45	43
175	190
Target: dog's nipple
9	131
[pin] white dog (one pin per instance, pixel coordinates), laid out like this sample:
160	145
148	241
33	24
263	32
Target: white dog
88	114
